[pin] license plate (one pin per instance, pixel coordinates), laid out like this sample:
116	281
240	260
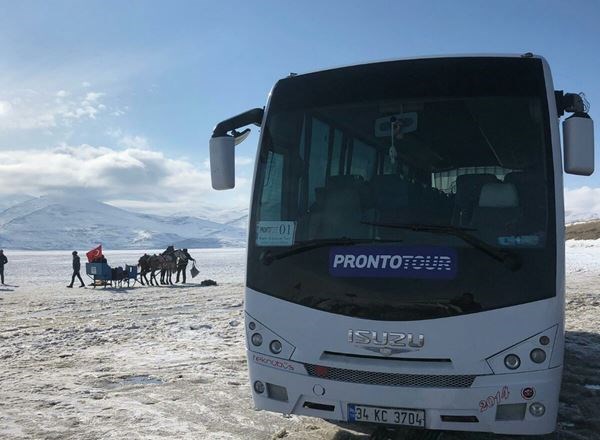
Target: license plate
388	416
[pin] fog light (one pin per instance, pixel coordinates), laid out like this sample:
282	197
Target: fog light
511	411
259	387
252	325
257	339
537	409
537	355
277	392
544	340
275	346
512	361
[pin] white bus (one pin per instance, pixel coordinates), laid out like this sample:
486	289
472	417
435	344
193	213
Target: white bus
406	260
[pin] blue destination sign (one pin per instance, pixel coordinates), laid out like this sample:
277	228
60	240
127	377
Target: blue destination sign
425	262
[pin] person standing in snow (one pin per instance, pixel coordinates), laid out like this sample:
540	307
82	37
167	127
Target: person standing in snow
76	269
3	261
182	263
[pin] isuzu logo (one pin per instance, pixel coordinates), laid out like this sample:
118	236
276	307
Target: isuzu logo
386	343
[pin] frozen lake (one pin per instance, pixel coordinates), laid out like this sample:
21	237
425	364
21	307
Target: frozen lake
54	267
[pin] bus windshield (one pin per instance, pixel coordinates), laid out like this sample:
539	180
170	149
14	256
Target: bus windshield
406	190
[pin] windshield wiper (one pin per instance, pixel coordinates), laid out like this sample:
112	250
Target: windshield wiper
509	259
268	257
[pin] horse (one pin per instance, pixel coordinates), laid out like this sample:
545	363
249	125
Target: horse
149	264
145	269
168	265
165	263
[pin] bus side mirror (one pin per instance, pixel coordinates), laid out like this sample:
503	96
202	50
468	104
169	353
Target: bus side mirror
222	162
578	143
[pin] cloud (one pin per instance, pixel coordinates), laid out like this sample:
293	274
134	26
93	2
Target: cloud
582	203
141	179
244	160
136	142
114	132
127	140
28	109
5	108
92	97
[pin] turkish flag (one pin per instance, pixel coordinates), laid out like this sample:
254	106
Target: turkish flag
94	253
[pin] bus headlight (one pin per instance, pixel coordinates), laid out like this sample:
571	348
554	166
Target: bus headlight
261	339
512	361
257	339
275	347
532	354
538	355
537	409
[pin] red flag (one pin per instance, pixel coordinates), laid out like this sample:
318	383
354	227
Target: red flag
94	254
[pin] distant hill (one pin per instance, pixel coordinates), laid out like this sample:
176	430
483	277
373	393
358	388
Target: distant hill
578	216
57	223
7	201
589	230
75	223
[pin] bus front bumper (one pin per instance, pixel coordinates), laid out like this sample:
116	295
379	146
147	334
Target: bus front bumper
500	404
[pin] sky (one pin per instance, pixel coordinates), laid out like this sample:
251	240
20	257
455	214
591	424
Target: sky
116	100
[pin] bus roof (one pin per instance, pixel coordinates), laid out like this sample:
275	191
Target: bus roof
424	57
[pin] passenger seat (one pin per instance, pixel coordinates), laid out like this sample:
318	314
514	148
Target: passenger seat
498	212
342	209
468	191
532	197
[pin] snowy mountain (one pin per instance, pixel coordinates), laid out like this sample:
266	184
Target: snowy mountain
75	223
233	217
6	201
577	217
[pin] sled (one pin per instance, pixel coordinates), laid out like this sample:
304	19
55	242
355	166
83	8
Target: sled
105	276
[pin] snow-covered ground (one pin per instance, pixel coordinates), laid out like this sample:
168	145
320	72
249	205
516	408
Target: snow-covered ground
169	362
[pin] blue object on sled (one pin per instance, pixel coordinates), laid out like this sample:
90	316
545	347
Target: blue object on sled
104	275
132	272
99	271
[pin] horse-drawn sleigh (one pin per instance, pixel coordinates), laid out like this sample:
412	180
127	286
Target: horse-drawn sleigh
171	261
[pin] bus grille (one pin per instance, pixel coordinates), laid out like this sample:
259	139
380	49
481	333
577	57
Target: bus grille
390	379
